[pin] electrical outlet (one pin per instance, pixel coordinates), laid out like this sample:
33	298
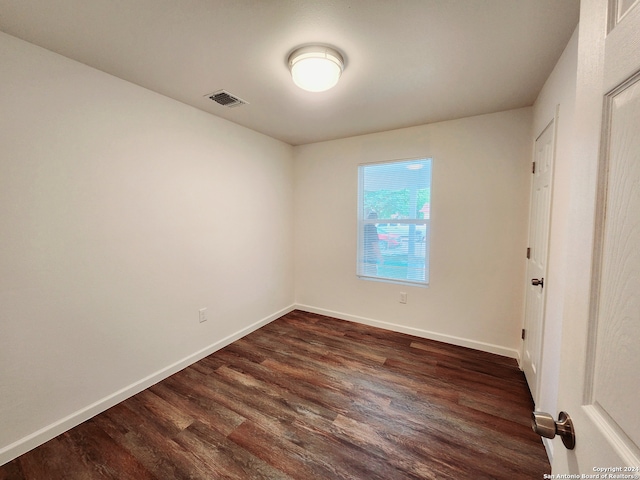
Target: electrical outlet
403	297
202	315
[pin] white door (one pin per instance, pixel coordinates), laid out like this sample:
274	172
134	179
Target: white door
538	253
600	366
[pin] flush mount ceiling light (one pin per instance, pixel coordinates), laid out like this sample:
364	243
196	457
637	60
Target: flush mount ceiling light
315	68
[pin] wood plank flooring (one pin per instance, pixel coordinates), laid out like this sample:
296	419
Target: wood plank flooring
311	397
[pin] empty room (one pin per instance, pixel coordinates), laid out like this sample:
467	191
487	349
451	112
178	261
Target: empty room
319	239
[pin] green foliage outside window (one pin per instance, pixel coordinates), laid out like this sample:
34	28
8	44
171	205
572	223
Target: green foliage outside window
395	203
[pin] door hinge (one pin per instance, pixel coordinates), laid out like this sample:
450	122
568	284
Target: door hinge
523	334
533	168
528	253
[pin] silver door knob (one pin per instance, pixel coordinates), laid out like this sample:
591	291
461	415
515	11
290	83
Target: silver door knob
545	426
536	282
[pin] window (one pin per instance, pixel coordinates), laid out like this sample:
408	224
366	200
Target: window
394	201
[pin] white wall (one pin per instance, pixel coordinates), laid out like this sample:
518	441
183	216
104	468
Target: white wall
480	195
558	93
122	213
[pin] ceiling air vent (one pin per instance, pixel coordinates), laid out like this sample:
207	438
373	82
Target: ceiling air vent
225	99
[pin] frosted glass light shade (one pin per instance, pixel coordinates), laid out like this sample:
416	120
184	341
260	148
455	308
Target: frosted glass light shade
316	69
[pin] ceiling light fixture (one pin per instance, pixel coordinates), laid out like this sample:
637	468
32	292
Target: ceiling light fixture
315	68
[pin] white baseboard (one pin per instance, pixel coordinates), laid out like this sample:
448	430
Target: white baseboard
45	434
462	342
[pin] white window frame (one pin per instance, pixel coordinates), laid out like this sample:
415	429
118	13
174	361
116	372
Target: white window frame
364	268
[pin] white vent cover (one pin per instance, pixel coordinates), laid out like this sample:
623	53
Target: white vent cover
226	99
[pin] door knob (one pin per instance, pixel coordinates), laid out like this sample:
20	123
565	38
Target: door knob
545	426
536	282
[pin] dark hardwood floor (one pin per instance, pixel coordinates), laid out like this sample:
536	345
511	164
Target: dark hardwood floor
311	397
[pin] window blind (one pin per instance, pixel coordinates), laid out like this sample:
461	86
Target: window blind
394	215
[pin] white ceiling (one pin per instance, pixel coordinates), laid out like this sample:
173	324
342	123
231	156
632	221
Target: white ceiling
408	62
